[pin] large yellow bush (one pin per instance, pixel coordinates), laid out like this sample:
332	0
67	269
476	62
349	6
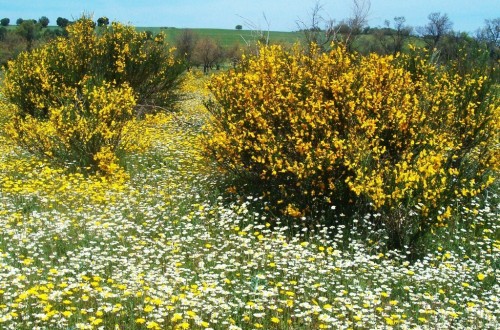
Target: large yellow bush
336	128
84	132
72	97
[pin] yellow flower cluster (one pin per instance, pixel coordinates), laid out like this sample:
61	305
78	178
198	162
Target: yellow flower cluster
72	98
393	130
87	131
165	249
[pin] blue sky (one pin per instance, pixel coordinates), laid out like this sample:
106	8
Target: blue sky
467	15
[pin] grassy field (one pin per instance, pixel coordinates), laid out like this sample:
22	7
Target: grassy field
167	249
226	37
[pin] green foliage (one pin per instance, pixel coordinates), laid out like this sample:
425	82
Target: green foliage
50	34
10	46
103	21
43	21
62	22
5	21
395	135
29	30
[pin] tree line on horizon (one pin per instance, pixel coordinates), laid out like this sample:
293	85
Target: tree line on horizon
354	32
44	21
29	33
392	38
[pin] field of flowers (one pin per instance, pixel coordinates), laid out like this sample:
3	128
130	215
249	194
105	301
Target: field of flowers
160	247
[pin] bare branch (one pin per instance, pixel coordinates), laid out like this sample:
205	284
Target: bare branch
358	19
258	35
438	26
319	31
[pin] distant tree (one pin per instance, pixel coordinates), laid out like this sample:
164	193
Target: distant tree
185	45
318	30
357	21
62	22
5	21
103	21
393	37
43	21
239	27
29	31
491	31
343	28
234	53
359	16
19	21
437	27
401	33
208	53
322	32
490	35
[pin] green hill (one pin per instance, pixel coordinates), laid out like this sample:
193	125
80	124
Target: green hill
228	37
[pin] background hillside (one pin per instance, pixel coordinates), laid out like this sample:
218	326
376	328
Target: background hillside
227	38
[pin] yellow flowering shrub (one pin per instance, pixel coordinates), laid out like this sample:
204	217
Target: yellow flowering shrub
85	131
337	128
72	98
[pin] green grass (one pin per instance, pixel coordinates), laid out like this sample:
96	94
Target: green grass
226	37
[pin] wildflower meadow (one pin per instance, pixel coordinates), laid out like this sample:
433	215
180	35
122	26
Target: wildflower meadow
181	228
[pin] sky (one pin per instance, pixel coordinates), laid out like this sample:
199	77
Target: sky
281	15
